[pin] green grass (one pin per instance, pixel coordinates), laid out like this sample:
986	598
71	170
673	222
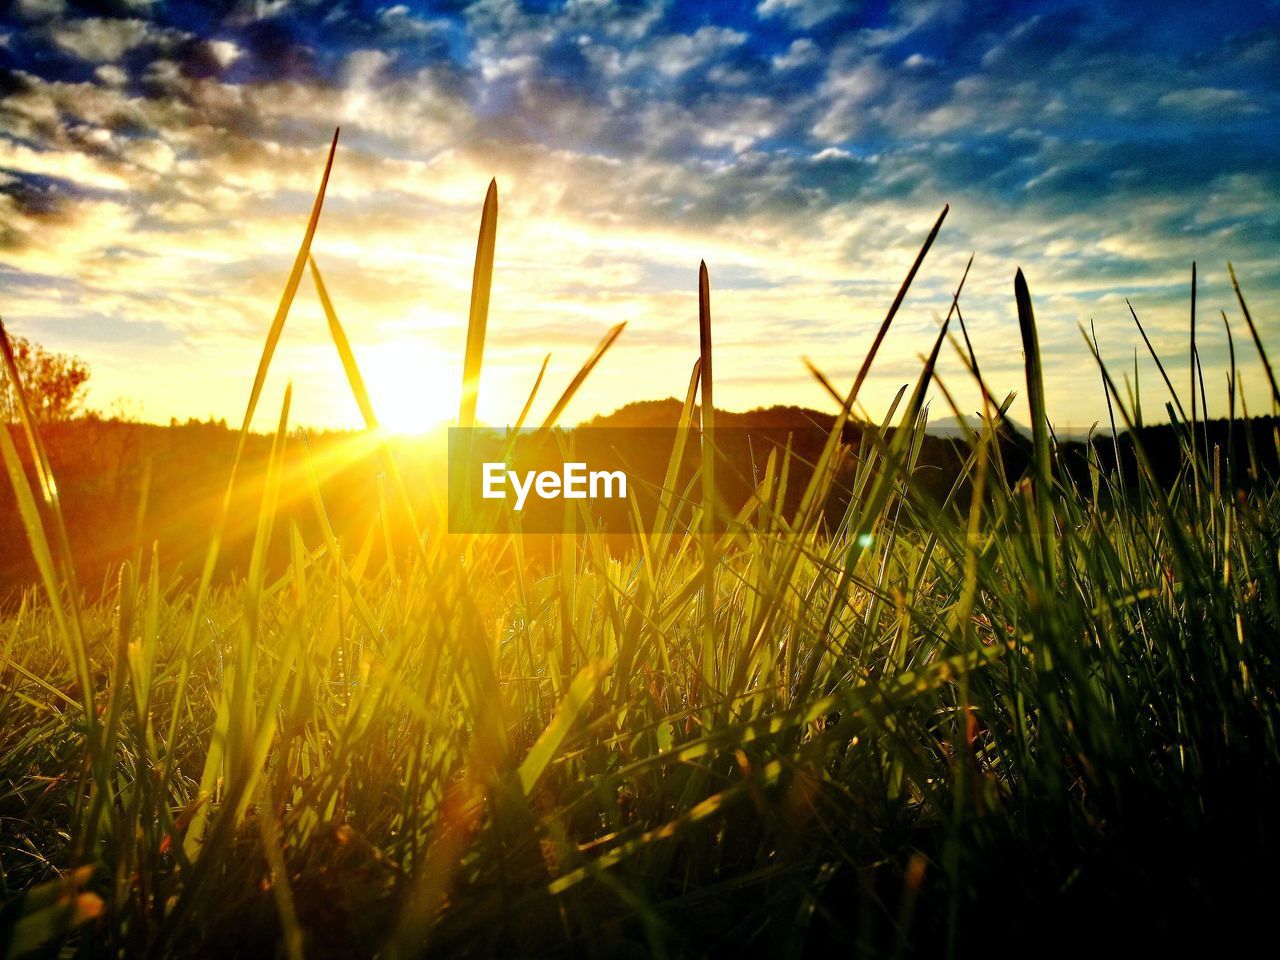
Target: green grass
994	724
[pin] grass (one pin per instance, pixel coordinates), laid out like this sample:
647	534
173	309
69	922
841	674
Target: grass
1036	716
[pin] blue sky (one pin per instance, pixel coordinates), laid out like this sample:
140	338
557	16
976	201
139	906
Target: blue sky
156	160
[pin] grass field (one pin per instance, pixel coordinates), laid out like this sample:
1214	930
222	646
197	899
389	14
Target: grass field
1035	717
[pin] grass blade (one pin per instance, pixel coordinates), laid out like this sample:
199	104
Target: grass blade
478	319
601	349
1040	440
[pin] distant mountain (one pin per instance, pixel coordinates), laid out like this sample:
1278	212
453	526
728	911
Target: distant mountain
952	428
666	413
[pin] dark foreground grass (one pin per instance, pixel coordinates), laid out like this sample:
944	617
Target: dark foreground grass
1037	717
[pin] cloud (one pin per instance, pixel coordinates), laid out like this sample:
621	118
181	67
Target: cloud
802	13
398	23
72	166
800	53
848	91
51	235
39	9
111	75
102	41
160	176
225	52
1208	99
673	56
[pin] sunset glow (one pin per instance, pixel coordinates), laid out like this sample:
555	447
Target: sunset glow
412	390
156	166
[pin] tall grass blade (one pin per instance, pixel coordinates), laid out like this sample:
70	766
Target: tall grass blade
361	394
1040	439
1257	340
264	363
707	413
578	378
478	319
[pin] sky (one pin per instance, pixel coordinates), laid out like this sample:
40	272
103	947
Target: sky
158	160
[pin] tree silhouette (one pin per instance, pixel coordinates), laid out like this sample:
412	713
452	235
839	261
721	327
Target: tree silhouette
54	383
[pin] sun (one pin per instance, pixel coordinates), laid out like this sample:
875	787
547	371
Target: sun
412	389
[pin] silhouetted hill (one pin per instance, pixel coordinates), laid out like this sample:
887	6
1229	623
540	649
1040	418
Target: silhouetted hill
666	413
100	466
